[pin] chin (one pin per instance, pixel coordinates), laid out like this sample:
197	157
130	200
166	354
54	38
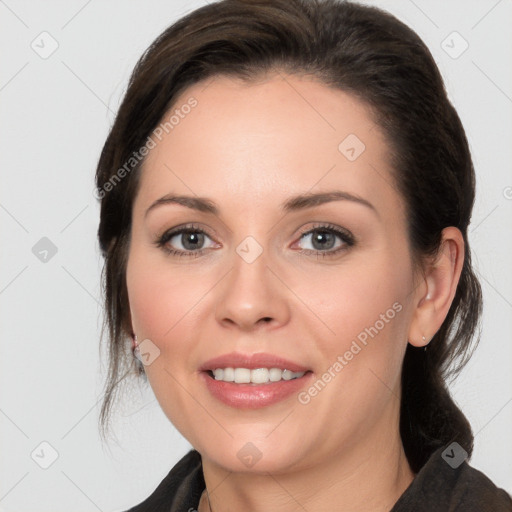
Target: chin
255	453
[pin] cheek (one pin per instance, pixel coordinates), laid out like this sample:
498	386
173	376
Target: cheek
162	308
159	299
351	297
362	309
365	317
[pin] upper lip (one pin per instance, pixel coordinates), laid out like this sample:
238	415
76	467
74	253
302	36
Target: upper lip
251	361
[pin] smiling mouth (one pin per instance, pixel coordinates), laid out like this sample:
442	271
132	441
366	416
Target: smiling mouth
256	376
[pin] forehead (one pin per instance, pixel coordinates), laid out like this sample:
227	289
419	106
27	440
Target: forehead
268	140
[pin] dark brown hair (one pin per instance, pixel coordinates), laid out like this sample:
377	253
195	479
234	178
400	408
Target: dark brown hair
357	49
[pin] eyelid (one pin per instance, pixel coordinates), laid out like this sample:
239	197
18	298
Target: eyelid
183	228
327	226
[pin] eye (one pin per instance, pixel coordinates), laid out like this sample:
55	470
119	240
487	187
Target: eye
326	240
185	241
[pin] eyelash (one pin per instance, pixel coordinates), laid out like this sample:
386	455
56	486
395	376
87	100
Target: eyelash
346	237
167	235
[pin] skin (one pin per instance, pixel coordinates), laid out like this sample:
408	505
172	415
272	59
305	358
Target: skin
249	148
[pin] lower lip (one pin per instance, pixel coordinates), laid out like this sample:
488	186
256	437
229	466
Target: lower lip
254	396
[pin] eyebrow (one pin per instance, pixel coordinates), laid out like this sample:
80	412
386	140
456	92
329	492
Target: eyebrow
296	203
309	200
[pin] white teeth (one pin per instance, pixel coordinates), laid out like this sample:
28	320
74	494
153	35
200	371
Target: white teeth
228	375
259	376
218	374
256	376
275	374
242	375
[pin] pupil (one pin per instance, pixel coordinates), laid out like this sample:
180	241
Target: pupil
325	239
190	241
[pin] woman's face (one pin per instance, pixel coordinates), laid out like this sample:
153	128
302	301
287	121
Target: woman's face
325	283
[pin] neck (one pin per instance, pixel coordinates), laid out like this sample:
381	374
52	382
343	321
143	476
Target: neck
370	477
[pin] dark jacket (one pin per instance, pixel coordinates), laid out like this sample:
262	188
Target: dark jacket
436	488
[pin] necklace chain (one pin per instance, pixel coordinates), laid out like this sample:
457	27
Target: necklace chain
208	497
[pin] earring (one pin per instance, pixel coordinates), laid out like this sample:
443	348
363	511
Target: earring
136	350
136	355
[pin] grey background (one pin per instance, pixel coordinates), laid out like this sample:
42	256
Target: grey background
55	113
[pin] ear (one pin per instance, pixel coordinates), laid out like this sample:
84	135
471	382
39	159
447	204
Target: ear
435	294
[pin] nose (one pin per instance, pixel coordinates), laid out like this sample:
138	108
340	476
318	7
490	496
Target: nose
252	297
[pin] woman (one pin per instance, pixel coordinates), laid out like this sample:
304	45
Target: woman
285	198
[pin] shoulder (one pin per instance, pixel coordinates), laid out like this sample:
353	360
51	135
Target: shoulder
476	490
443	485
179	490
